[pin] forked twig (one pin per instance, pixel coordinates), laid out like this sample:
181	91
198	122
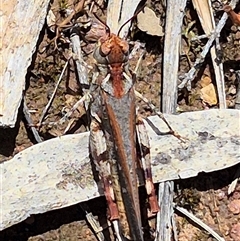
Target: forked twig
191	73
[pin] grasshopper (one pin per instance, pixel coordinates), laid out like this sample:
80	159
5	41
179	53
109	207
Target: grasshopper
115	131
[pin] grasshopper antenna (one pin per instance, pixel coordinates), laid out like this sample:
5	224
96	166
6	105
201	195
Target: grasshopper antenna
100	20
134	16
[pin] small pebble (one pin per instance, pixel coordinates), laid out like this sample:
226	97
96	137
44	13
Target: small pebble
234	206
237	36
235	232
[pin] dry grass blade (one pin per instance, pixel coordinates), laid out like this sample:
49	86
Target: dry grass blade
17	48
174	16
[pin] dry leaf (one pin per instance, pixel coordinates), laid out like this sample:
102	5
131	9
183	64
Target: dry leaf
208	95
148	22
205	81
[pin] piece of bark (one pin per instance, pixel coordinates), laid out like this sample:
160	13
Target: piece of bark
22	22
57	173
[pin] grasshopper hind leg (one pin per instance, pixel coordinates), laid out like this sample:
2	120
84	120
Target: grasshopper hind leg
99	154
144	148
98	148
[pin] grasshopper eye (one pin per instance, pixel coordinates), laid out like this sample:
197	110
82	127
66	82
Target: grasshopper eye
99	56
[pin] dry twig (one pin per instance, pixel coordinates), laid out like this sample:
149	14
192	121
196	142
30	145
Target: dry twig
199	222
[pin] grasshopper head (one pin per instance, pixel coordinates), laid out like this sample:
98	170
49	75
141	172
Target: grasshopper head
111	49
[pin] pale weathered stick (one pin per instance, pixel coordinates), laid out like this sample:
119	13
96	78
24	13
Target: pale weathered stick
57	173
174	16
164	217
192	72
233	184
80	63
18	44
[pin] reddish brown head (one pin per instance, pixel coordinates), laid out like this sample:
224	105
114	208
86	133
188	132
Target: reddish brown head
112	49
113	52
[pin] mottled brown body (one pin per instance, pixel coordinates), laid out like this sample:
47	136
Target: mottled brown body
114	126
